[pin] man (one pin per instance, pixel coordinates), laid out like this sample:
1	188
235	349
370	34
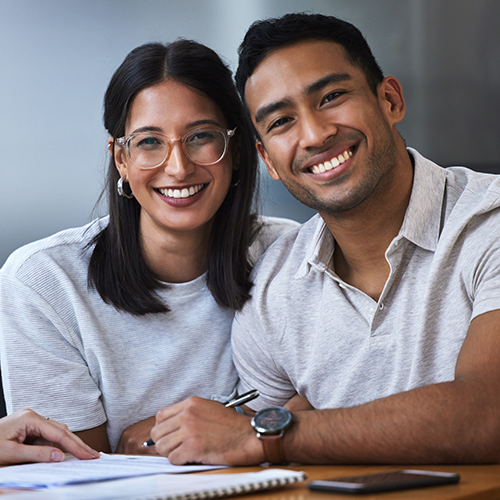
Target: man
382	312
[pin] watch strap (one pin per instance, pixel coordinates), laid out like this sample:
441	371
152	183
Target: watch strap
273	447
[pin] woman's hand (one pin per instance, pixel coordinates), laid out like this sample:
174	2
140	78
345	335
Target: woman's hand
25	436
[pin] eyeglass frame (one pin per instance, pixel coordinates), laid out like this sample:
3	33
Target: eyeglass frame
227	134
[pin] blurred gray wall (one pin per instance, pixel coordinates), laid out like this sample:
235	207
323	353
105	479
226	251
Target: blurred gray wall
57	56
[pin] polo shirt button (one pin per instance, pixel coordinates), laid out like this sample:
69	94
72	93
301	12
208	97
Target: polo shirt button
381	306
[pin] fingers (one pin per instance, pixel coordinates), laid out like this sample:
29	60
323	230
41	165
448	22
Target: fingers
27	426
217	436
174	428
200	431
134	436
14	453
162	435
134	446
172	410
58	434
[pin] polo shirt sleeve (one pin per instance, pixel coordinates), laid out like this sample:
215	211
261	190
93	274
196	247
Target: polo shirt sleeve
486	287
481	267
42	360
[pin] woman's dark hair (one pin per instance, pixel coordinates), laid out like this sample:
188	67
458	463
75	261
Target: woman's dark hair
117	268
265	36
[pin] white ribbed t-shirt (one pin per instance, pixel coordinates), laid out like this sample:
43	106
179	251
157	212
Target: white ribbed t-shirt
71	357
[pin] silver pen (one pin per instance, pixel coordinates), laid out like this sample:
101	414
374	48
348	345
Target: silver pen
244	398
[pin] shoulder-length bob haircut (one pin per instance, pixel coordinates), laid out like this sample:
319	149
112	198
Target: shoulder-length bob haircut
117	268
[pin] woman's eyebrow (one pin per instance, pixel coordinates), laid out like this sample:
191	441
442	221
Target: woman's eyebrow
196	123
147	129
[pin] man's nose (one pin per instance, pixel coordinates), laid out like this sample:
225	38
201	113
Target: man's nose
315	129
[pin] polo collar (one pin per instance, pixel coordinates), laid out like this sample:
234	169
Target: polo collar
421	224
422	221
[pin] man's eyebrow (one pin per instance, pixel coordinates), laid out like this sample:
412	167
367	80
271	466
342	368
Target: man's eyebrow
326	80
264	111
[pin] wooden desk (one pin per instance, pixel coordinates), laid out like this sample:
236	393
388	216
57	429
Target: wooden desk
478	482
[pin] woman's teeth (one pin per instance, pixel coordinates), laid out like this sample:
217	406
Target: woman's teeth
333	163
182	193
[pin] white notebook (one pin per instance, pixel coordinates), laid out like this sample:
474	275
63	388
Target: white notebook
171	487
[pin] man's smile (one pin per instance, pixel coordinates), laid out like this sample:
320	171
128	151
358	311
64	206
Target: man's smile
332	163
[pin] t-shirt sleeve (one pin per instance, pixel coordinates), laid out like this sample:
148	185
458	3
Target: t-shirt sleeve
254	360
42	360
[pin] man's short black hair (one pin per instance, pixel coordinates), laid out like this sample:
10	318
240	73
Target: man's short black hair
265	36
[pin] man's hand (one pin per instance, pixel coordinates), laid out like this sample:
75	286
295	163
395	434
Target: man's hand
202	431
134	436
25	436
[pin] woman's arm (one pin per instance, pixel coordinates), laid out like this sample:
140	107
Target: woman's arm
96	437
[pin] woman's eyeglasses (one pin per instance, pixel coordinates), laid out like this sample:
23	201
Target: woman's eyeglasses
202	146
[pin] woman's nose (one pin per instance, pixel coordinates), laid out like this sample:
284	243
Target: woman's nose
177	164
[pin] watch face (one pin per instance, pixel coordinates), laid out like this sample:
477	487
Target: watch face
271	420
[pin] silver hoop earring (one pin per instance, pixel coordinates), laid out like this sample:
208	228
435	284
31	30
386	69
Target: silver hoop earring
121	191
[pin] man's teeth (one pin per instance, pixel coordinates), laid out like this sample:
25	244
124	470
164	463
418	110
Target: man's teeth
182	193
333	163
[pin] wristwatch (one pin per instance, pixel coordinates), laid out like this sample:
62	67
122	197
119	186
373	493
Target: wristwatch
270	425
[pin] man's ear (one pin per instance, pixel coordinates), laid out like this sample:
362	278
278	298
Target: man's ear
119	156
391	98
265	158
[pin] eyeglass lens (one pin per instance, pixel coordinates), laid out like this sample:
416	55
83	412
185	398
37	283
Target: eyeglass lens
204	147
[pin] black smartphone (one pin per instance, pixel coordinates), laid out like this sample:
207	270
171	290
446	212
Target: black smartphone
385	481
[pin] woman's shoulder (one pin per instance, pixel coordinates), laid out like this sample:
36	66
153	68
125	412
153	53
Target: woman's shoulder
271	228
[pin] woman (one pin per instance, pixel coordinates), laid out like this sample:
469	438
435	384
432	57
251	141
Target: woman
104	325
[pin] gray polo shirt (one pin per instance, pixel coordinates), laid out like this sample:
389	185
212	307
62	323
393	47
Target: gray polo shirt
307	331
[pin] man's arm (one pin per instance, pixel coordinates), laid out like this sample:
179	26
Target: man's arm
449	422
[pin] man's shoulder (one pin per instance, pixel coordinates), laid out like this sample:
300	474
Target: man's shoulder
482	186
471	198
453	195
288	252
